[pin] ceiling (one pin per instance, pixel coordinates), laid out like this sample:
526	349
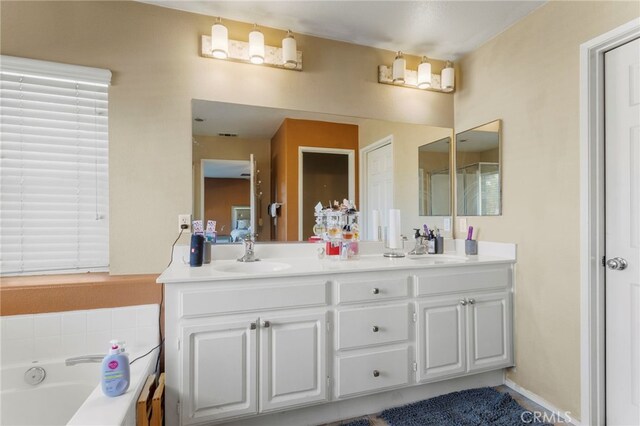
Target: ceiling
439	29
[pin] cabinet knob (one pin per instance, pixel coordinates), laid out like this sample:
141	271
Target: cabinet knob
376	373
463	302
266	324
253	326
375	329
376	290
472	301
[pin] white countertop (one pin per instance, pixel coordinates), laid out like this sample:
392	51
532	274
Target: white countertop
302	260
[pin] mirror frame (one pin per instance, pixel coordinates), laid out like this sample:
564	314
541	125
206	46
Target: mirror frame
500	169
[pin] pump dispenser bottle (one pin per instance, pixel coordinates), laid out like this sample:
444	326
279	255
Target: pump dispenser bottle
115	376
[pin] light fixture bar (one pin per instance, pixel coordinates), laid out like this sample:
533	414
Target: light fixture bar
239	52
385	76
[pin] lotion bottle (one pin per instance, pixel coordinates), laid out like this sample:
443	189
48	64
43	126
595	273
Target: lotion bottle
115	376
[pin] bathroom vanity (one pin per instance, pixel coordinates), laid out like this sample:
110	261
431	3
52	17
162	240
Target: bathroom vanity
245	340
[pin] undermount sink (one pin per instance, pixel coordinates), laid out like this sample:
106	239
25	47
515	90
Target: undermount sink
438	259
252	267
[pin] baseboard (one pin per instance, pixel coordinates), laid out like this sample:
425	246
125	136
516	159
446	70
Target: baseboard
540	401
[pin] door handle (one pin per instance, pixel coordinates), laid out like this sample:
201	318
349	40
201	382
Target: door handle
617	264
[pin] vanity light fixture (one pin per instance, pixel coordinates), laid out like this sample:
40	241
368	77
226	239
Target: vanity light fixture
448	77
256	46
219	46
424	74
399	69
397	74
289	56
219	40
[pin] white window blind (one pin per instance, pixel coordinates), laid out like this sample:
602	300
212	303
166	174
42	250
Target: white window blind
54	167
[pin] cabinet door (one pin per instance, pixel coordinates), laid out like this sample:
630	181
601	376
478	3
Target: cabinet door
489	325
441	339
293	358
218	370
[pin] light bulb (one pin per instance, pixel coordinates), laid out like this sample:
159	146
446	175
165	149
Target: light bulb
256	46
289	51
398	69
424	74
219	40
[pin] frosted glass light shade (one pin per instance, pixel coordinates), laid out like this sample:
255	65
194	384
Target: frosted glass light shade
448	77
219	41
289	51
424	74
399	68
256	46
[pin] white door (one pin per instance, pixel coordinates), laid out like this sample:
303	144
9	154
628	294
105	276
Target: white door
292	360
622	153
218	370
379	195
488	329
441	339
252	194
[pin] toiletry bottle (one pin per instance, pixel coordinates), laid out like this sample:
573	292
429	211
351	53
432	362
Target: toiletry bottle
439	242
431	243
115	371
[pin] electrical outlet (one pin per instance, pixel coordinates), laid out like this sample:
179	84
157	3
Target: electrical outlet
184	219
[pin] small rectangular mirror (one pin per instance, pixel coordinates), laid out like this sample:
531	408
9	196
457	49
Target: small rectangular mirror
478	180
434	177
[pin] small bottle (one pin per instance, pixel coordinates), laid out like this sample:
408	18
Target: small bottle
431	243
115	376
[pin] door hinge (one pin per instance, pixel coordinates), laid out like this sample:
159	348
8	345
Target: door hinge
178	408
415	366
415	317
178	345
328	381
328	325
604	262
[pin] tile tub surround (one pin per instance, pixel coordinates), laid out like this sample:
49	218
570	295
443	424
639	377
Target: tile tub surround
34	337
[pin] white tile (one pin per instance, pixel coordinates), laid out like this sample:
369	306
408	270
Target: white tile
17	351
74	323
123	318
45	348
47	325
17	327
74	345
146	338
126	335
98	343
98	320
147	316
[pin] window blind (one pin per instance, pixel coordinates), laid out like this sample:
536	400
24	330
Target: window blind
54	167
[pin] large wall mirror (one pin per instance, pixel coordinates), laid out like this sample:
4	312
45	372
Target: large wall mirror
478	173
434	177
301	158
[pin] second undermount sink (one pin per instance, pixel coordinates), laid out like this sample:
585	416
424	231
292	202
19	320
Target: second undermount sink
438	258
252	267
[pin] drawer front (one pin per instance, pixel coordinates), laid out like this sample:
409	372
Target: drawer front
372	372
372	290
463	279
372	326
244	299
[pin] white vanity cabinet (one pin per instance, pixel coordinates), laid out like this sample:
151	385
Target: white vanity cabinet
242	347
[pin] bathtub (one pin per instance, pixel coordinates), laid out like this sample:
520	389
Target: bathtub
69	395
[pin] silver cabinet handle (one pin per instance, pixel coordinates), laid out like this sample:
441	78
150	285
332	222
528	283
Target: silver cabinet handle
253	326
617	264
375	329
376	290
266	324
376	373
463	302
472	301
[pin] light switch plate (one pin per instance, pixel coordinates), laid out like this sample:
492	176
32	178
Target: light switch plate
462	225
447	224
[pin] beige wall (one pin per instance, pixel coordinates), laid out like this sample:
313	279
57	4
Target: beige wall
407	138
153	53
529	77
222	148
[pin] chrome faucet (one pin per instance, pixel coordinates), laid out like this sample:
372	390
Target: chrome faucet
249	254
421	244
83	359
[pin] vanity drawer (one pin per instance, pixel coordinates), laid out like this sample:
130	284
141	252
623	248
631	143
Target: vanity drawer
366	291
252	298
372	326
454	280
372	371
